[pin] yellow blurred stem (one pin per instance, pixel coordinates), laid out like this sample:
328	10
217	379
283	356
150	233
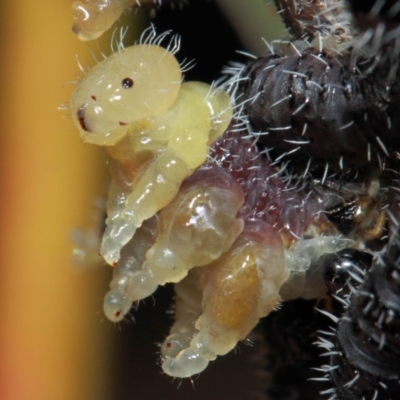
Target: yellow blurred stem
53	334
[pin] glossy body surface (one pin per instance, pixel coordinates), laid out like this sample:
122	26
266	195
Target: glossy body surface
235	228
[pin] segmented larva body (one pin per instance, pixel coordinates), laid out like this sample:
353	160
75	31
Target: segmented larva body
364	346
156	129
314	106
220	303
285	232
378	23
307	19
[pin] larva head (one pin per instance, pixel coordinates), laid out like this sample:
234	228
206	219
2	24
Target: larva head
137	82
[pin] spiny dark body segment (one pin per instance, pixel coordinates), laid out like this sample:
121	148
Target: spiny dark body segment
336	267
299	18
315	106
364	353
305	19
369	13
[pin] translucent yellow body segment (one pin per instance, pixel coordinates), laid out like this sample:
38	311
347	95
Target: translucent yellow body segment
188	298
189	126
233	298
142	140
94	17
162	150
195	229
156	183
219	104
185	128
118	300
156	186
135	83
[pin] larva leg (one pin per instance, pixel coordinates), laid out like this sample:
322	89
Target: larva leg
117	301
238	288
193	230
188	296
93	18
155	185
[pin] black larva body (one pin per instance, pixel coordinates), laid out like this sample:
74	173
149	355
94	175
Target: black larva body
369	13
364	352
317	106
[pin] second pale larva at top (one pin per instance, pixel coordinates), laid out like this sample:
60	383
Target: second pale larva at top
180	208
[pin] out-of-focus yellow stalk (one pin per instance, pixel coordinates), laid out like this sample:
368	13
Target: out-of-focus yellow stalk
53	337
253	20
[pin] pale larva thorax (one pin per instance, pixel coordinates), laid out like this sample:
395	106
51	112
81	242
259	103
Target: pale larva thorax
135	83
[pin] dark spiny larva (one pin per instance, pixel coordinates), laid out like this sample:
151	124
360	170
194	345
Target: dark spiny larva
306	19
369	13
338	267
364	352
315	106
335	109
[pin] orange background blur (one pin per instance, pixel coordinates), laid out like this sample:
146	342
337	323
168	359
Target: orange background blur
55	343
53	337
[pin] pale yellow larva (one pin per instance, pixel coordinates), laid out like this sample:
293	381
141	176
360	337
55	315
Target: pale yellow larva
93	18
132	84
156	128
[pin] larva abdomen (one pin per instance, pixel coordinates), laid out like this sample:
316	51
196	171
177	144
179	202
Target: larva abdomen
314	105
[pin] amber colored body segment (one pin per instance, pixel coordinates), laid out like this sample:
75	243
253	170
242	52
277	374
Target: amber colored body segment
237	290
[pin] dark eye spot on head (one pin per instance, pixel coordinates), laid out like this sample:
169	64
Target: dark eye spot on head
127	83
93	97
